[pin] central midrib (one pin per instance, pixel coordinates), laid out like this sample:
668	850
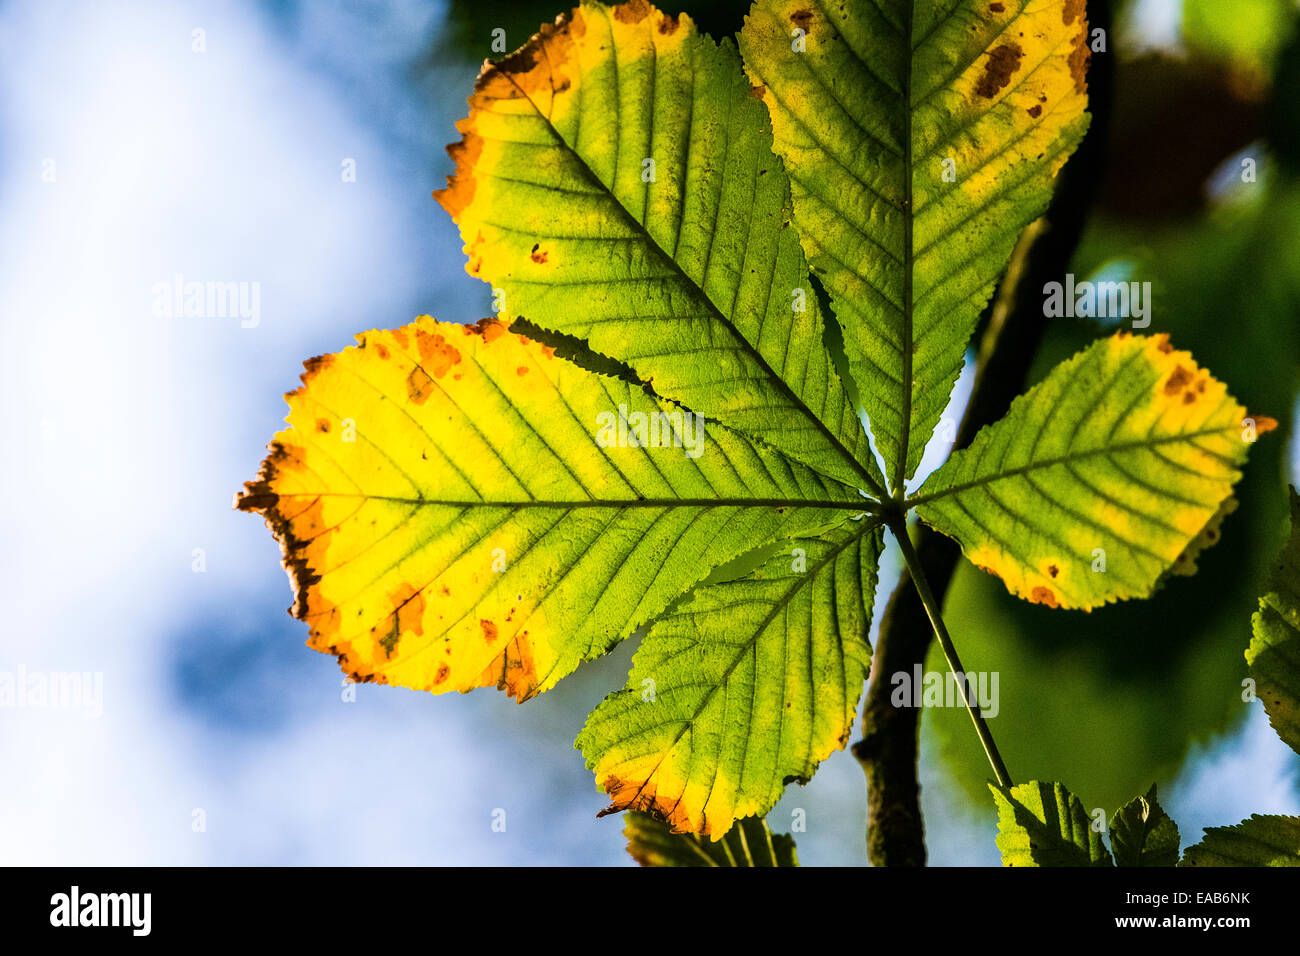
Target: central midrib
1067	459
905	423
864	505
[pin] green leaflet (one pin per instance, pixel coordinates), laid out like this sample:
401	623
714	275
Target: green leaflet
1101	479
1043	824
616	182
1258	841
1274	652
745	686
921	138
749	843
1142	834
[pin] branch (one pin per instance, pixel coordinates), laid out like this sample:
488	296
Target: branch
1013	332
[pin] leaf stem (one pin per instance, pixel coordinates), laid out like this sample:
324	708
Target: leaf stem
899	528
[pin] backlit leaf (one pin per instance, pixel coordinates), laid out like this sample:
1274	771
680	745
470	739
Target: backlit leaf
1102	478
1142	834
921	138
749	843
1258	841
616	182
653	433
1274	652
747	685
451	517
1043	824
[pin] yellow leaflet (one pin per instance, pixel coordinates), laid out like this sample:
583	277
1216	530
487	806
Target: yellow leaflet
454	514
343	509
1111	473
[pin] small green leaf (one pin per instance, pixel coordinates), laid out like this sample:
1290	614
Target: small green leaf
1274	652
1142	834
1043	824
749	843
1259	841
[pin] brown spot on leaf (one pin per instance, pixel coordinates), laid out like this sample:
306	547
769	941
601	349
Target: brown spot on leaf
514	670
314	366
1073	10
1080	57
634	11
996	8
668	24
538	254
521	371
758	92
382	352
801	19
408	607
443	671
1042	595
418	385
1053	570
1178	379
436	353
1003	61
489	631
1035	111
488	329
